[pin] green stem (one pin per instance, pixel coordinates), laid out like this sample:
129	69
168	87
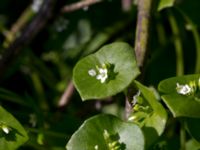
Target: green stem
142	30
195	33
11	35
49	133
39	90
178	45
197	43
193	28
182	136
161	33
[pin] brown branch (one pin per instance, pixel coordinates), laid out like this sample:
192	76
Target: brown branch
66	95
78	5
142	30
141	42
126	5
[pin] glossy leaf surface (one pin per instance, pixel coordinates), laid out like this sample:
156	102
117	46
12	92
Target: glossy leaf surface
180	105
16	135
90	135
120	56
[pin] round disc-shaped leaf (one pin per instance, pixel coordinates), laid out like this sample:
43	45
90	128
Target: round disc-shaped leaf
120	56
180	105
91	135
16	135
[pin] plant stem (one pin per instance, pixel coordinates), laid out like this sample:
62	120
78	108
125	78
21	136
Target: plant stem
65	98
178	46
78	5
142	30
16	28
197	42
141	41
182	136
39	90
193	28
49	133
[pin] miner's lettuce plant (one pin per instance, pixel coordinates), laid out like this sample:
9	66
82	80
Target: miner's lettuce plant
164	115
113	69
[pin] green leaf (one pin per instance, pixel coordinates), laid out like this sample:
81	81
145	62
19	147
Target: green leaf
165	3
155	122
192	145
16	135
91	135
180	105
123	69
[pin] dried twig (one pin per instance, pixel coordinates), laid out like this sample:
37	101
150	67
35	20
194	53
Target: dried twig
66	95
78	5
142	30
141	40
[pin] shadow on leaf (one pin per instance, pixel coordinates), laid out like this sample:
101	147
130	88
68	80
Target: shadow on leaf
11	136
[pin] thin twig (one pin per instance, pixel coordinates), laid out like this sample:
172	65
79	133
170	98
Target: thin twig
126	5
66	95
78	5
141	41
142	30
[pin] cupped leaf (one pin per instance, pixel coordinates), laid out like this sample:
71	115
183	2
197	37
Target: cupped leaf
179	104
169	85
103	131
119	60
165	3
154	123
13	135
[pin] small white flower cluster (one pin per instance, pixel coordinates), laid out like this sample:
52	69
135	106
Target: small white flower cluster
4	128
183	89
102	74
188	89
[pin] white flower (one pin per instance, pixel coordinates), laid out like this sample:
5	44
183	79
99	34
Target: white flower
183	89
135	97
103	74
92	72
132	118
5	129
